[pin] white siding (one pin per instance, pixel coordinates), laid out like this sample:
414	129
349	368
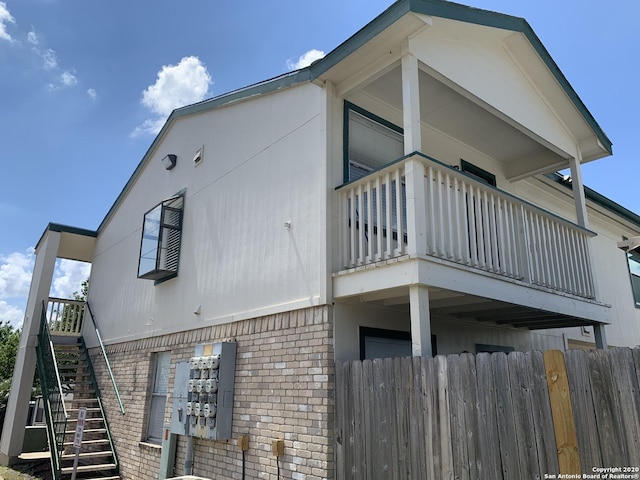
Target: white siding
263	165
487	71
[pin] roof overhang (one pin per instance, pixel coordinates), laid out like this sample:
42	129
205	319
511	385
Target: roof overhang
75	243
402	19
377	48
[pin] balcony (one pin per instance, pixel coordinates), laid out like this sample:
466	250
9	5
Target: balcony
449	217
64	317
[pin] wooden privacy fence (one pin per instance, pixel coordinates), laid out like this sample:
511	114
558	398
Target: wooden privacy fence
489	416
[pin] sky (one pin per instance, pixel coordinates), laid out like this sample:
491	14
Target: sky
85	87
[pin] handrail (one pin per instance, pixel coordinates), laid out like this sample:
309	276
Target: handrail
56	427
53	354
104	354
92	376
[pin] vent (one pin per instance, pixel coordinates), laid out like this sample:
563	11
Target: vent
197	158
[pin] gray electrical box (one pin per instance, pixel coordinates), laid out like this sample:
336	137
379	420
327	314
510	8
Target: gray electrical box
203	392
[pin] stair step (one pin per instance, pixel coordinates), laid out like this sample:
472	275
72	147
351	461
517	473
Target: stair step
110	477
87	420
87	430
89	410
90	468
113	477
103	453
89	442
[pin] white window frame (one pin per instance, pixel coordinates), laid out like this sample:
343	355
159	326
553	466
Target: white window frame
158	396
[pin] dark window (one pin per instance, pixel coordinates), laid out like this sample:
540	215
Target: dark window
483	347
160	245
382	343
634	271
478	173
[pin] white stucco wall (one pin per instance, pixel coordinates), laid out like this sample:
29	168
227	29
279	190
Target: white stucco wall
264	165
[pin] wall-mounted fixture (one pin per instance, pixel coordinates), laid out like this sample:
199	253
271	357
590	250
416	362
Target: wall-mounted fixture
169	161
197	158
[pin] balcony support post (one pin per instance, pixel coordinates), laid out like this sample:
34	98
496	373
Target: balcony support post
578	191
22	383
601	339
583	219
420	321
411	104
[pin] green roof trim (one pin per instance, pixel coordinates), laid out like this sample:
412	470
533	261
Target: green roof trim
464	13
438	8
58	227
599	199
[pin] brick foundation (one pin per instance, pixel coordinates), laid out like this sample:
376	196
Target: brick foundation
283	390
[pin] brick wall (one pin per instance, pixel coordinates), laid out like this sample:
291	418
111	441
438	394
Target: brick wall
283	390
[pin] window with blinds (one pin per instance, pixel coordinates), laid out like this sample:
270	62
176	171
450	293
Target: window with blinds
634	271
158	401
371	144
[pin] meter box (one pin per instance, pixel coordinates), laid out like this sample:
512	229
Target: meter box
203	392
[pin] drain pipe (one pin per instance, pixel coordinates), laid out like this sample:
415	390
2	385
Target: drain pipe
188	457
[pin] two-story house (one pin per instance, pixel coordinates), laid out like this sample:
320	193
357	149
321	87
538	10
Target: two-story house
397	197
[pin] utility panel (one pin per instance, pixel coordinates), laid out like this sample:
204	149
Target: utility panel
203	392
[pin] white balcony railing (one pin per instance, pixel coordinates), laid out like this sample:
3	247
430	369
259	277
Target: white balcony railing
462	221
65	316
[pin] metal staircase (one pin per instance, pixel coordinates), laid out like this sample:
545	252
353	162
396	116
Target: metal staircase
68	384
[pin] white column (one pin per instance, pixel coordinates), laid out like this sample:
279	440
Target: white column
420	321
411	105
18	403
578	191
414	173
601	339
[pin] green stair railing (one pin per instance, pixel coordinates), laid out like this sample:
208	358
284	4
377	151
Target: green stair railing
94	383
52	393
106	359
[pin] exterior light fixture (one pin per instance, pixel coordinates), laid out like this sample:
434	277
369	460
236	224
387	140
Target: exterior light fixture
169	161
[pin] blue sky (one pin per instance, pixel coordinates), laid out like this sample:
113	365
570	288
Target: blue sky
84	86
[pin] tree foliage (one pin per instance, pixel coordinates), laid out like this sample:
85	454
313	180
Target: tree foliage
9	341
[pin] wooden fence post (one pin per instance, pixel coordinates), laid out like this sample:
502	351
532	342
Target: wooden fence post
562	413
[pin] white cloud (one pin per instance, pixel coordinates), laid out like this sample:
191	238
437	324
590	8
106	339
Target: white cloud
176	86
49	58
68	78
5	18
15	274
305	59
32	38
68	277
92	93
151	126
11	314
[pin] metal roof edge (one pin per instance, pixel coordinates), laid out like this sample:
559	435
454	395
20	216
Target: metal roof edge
439	8
599	199
58	227
464	13
268	86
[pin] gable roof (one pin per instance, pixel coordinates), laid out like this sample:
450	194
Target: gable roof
437	8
